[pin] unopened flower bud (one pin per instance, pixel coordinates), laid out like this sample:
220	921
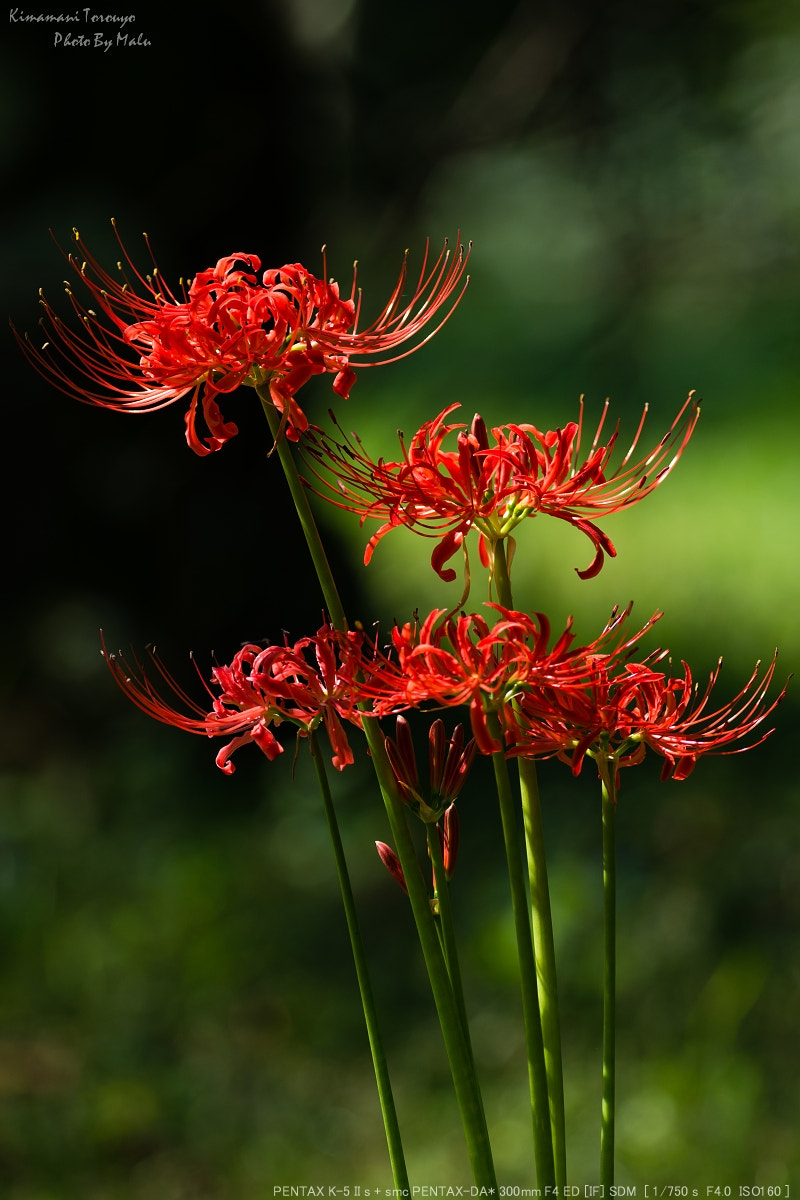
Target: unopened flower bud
400	752
449	764
478	431
448	837
392	864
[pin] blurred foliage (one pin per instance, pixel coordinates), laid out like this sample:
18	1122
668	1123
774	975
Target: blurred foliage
178	1013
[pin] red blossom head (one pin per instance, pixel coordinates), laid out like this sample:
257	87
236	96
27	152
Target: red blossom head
451	661
625	707
307	684
139	347
493	481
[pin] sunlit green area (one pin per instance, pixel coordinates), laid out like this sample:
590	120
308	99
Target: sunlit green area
179	1018
182	1018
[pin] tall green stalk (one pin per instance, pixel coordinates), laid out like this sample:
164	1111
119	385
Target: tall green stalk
461	1066
447	930
544	950
608	779
300	497
542	918
385	1095
537	1072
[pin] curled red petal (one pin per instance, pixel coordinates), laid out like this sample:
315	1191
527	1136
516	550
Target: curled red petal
221	431
444	551
344	382
485	742
223	759
191	430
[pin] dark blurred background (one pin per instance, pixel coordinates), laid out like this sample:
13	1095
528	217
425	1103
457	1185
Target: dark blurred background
178	1014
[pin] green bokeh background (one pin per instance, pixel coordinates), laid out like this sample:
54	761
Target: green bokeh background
178	1013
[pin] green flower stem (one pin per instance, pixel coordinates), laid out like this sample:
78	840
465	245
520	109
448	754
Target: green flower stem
500	575
447	930
301	503
537	1072
544	949
461	1067
609	974
388	1110
543	940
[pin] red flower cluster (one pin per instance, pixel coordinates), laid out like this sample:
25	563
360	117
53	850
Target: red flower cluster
229	328
493	483
524	697
261	688
622	709
451	661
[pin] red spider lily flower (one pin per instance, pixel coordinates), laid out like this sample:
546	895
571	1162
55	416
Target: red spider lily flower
449	767
259	689
139	347
493	483
623	710
451	661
